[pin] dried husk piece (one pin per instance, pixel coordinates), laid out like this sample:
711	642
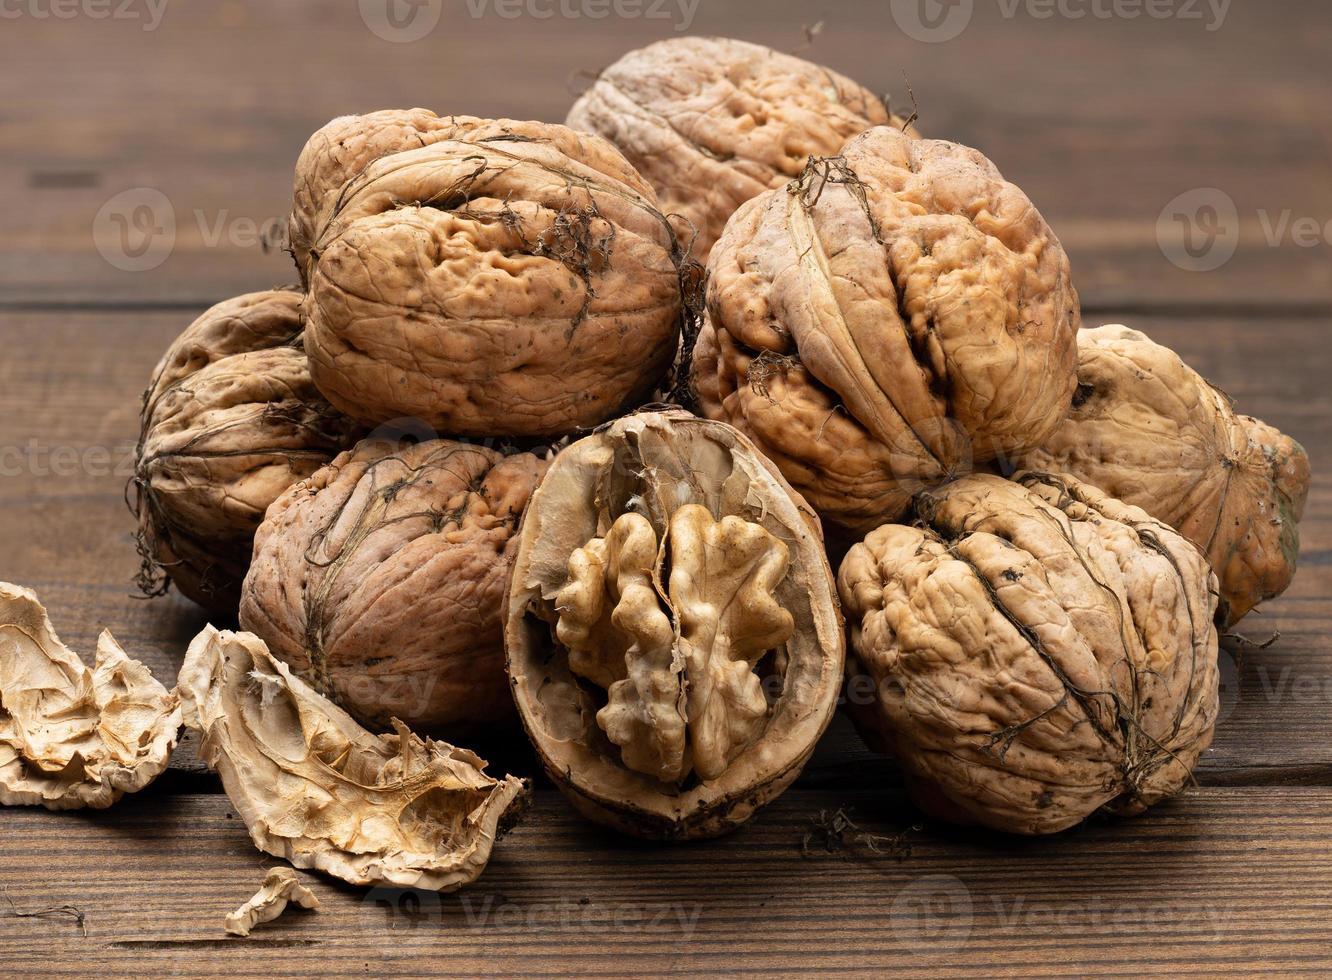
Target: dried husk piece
281	887
1148	429
380	580
71	737
898	316
673	639
711	122
1039	651
488	277
229	421
315	788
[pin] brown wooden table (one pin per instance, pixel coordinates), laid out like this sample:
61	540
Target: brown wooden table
1104	122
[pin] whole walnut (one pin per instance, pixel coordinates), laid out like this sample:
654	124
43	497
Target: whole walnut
1146	428
487	277
712	122
1038	652
229	421
895	316
673	637
380	580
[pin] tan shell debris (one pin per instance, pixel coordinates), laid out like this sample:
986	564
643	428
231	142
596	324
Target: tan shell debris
72	737
674	642
281	887
229	421
1039	651
488	277
316	789
380	580
891	319
1146	428
712	122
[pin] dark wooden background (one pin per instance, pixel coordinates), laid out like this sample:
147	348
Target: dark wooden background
1102	121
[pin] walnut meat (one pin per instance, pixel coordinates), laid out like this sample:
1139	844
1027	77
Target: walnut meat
281	887
380	580
895	316
1039	651
315	788
674	642
488	277
72	737
229	421
1146	428
712	122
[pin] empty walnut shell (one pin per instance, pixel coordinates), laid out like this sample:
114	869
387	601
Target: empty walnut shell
673	636
229	421
1039	651
380	580
1146	428
894	317
488	277
711	122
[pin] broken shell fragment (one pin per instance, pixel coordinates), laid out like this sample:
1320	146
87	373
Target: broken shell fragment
317	789
280	888
72	737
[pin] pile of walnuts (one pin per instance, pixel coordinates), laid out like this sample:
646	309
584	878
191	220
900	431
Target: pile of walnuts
510	453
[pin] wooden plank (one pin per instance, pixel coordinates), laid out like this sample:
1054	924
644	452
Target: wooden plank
1218	881
1103	122
72	381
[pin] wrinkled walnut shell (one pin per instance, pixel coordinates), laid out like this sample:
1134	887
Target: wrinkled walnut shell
712	122
229	421
71	737
673	637
1146	428
380	580
487	277
894	317
1039	651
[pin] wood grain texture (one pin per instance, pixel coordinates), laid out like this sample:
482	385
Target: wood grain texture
1102	121
1236	881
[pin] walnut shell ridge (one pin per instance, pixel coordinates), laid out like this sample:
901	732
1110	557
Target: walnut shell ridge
1148	429
230	420
711	122
1039	652
896	317
380	580
673	637
487	277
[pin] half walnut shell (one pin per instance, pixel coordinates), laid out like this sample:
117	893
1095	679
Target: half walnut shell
673	636
1038	652
487	277
898	315
230	420
711	122
380	580
1148	429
